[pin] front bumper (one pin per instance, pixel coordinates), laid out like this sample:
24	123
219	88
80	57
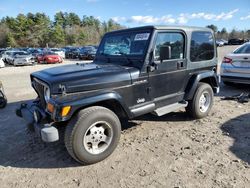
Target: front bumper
38	120
24	62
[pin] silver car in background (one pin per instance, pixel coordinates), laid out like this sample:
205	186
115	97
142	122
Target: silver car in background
59	52
21	58
5	55
235	67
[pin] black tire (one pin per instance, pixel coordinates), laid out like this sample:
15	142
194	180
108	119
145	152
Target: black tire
80	125
3	102
194	108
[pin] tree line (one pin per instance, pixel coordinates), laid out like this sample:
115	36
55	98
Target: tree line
234	33
38	30
68	29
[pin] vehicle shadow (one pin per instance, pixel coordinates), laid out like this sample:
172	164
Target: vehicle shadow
171	117
234	89
239	129
21	148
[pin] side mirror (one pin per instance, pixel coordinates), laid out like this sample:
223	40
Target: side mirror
165	52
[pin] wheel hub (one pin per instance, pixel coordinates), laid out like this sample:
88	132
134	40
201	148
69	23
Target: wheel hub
98	137
204	102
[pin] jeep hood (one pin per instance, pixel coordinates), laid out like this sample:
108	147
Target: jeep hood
86	77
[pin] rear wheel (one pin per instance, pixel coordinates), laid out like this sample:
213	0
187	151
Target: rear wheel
92	135
202	101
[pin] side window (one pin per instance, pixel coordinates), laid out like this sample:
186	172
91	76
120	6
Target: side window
174	40
243	49
202	46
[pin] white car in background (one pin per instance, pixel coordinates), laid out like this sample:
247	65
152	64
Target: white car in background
2	64
235	67
59	52
6	55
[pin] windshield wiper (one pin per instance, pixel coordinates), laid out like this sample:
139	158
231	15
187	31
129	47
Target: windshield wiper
125	56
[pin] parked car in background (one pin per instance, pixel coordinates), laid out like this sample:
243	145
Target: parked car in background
246	40
20	58
87	52
5	55
219	43
34	51
75	53
2	64
23	49
225	42
69	52
59	52
2	51
235	67
49	57
235	42
23	58
10	57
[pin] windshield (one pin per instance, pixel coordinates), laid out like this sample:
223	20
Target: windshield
130	44
49	53
20	53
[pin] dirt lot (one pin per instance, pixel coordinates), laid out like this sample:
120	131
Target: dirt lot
168	151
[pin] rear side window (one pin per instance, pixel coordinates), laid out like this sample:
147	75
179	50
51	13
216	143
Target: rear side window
202	46
243	50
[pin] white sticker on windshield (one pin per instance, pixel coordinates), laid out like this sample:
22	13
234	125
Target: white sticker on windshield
141	36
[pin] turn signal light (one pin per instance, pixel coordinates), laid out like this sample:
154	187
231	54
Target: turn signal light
65	110
50	107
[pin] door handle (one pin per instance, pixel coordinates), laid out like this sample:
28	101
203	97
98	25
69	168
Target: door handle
245	58
180	64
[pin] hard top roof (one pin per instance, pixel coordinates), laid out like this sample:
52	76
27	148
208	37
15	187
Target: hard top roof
169	27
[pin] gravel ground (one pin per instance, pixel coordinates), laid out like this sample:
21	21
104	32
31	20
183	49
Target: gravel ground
169	151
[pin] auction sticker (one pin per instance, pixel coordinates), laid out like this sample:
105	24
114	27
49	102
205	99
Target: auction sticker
142	36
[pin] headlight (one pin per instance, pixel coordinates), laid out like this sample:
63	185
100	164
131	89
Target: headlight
46	94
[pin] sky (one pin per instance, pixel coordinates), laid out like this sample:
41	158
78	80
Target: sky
222	13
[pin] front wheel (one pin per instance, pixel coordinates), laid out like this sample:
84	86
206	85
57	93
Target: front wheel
3	99
92	135
202	101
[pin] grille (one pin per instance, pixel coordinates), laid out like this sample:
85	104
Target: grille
39	87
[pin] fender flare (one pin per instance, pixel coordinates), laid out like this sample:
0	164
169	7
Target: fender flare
88	101
211	79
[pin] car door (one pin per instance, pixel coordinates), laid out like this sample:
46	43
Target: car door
168	80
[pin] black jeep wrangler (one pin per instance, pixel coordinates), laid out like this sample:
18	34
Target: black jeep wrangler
152	69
